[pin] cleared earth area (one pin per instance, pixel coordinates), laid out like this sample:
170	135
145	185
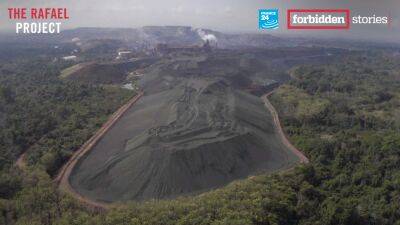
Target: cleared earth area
195	129
186	140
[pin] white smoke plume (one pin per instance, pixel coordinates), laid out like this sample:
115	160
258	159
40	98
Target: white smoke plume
204	36
75	39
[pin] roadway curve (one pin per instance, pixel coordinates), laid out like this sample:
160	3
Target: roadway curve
271	108
62	178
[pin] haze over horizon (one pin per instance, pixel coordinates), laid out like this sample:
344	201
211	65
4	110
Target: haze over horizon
224	15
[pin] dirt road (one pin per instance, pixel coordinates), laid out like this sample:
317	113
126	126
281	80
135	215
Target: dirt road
271	108
21	163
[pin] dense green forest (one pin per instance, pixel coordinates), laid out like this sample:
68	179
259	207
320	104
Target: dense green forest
344	116
46	117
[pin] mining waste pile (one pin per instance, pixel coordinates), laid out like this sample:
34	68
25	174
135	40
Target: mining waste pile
103	73
188	134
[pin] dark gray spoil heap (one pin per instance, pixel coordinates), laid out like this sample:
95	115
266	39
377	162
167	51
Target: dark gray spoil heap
194	137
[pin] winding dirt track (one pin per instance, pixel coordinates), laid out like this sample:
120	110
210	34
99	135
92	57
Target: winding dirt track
62	178
21	163
271	108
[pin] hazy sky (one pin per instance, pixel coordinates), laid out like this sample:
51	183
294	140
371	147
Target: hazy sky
222	15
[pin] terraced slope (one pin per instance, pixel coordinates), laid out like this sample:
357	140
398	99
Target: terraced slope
189	139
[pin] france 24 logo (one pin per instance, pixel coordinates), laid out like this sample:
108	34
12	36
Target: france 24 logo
268	19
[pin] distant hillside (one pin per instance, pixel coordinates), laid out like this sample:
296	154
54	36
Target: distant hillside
95	73
174	35
102	73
